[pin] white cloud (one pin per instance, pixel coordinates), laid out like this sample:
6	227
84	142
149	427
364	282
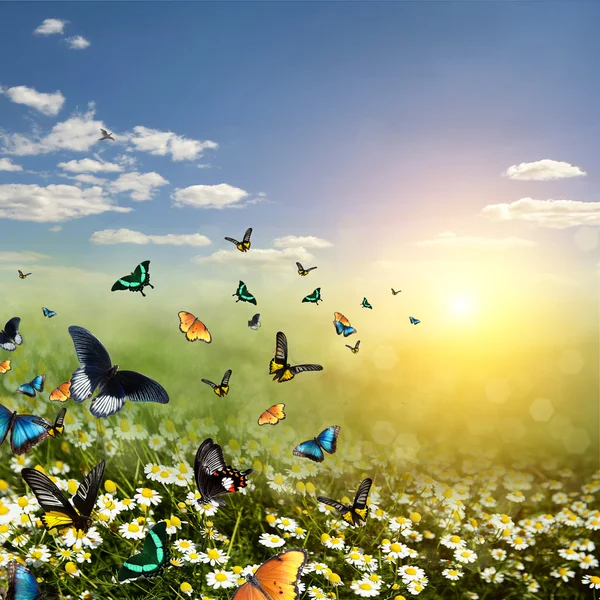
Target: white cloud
450	239
47	104
554	214
543	170
52	203
7	165
141	185
257	257
162	143
89	179
88	165
294	241
55	229
78	133
77	42
51	26
221	195
127	236
21	257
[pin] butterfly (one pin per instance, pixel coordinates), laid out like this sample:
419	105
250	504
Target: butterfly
35	385
365	304
10	337
193	328
59	512
279	365
342	325
48	313
276	579
5	366
414	321
243	294
315	297
244	245
213	477
313	449
62	393
302	271
27	430
358	511
152	560
23	275
137	281
97	371
22	584
254	322
223	389
272	415
395	292
355	348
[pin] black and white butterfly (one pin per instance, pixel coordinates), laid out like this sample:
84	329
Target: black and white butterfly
254	322
358	511
214	477
114	386
10	337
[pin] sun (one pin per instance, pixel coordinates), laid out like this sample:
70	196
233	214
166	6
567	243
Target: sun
462	306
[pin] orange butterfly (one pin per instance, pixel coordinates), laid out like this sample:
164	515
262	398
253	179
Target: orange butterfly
193	328
5	366
62	393
277	578
272	415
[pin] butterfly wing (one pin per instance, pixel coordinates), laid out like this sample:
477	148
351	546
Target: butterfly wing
139	388
272	415
153	559
27	390
327	439
309	449
223	389
110	400
254	323
58	428
6	419
342	325
243	293
22	585
5	366
300	267
247	235
27	431
310	269
38	383
341	508
312	297
232	241
87	493
140	274
298	369
360	499
281	353
356	346
58	510
127	282
209	457
10	338
193	328
62	393
209	382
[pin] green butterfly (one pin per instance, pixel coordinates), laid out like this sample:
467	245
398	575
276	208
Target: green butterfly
315	297
153	558
243	294
365	304
137	281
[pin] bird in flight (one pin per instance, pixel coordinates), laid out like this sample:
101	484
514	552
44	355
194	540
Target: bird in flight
106	136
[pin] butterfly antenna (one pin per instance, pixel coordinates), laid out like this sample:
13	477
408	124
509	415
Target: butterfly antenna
142	292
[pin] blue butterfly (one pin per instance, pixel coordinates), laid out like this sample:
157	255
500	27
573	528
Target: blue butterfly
414	321
342	325
35	385
22	585
26	430
313	449
48	313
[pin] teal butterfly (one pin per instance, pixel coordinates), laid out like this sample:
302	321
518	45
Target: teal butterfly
137	281
315	297
414	321
365	303
243	294
48	313
152	560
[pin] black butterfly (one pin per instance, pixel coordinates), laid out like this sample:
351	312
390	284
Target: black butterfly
213	477
254	322
223	389
97	371
358	511
58	511
244	245
279	365
10	337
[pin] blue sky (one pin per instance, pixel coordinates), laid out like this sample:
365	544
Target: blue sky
373	126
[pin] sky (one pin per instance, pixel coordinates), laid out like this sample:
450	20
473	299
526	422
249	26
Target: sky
448	149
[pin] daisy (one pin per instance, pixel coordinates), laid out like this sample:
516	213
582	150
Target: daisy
192	557
214	557
516	496
271	541
147	497
168	430
286	524
37	555
395	550
452	541
365	588
592	580
124	430
185	546
410	573
156	442
465	556
563	573
132	531
221	579
277	482
588	561
452	574
334	543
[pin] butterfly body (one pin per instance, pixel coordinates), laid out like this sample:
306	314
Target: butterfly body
356	513
136	281
48	313
35	385
354	349
10	337
395	292
245	244
22	584
314	449
365	304
254	322
23	275
153	559
302	271
276	579
114	386
243	294
272	415
222	389
342	325
59	512
279	366
414	321
214	477
315	297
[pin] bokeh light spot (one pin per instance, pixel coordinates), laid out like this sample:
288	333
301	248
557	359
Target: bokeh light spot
571	362
541	409
497	390
577	441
